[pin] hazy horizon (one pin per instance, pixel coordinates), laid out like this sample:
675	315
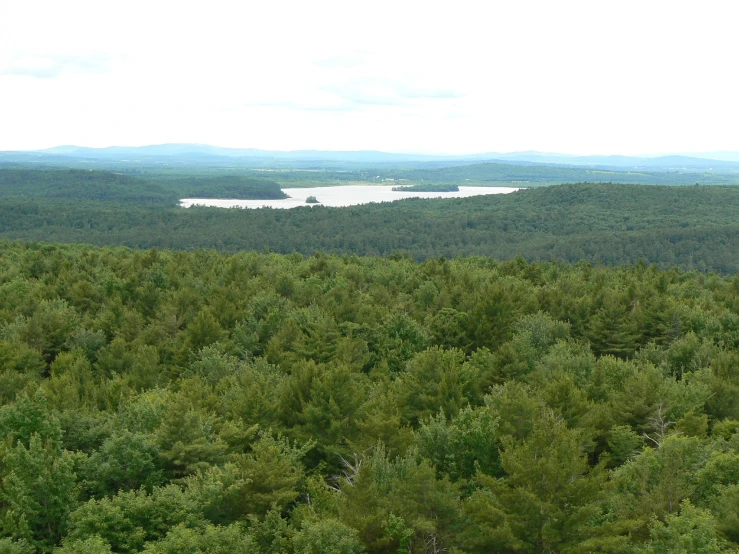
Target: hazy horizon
59	147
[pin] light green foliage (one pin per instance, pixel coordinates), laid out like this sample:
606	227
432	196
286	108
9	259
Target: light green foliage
19	365
205	402
461	446
516	408
324	404
438	380
28	417
271	472
138	364
658	480
210	540
250	394
47	329
692	531
72	384
382	421
273	534
9	546
566	358
692	424
546	497
623	443
639	397
187	437
38	491
125	461
400	339
212	364
203	331
90	545
492	315
518	357
448	328
130	519
542	330
721	470
327	536
377	491
307	334
561	393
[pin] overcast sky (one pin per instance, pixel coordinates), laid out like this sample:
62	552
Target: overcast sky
591	77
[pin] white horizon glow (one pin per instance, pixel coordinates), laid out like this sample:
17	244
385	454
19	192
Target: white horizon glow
573	77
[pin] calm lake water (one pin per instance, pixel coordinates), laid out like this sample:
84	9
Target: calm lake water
341	196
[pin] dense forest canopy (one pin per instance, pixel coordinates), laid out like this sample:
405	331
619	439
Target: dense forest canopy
694	227
213	399
162	401
223	186
77	184
94	185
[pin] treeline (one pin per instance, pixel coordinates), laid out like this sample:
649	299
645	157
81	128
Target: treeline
428	187
535	173
102	186
81	185
692	227
223	186
479	174
173	402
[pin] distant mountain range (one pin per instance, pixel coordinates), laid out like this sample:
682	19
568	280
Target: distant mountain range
204	150
725	161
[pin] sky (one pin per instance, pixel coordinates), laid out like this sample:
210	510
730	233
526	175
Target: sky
454	77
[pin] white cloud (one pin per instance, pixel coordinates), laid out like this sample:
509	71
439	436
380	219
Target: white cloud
387	92
47	66
574	76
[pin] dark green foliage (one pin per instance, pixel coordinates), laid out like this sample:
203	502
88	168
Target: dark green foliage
103	186
691	227
125	461
80	184
223	186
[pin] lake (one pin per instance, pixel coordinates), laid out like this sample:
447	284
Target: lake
341	196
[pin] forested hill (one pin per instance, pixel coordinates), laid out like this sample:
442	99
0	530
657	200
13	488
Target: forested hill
81	185
220	186
162	402
537	174
692	227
